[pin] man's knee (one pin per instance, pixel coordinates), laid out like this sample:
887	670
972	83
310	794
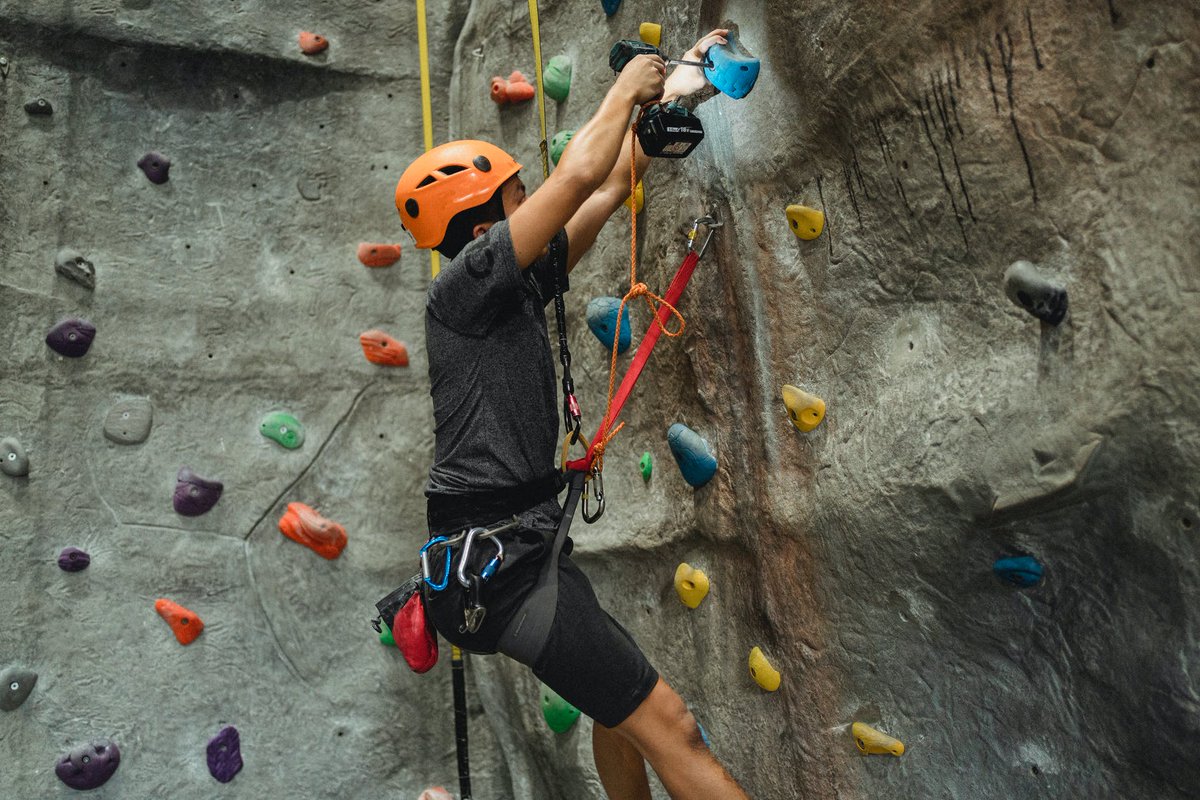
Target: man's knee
662	717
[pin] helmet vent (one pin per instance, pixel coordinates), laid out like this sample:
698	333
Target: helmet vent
482	164
428	179
411	207
450	169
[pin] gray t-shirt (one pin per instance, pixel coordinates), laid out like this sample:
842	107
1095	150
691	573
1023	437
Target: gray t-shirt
491	368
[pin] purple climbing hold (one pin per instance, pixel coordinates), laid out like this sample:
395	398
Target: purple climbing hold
225	754
195	495
39	108
71	337
156	166
72	559
89	766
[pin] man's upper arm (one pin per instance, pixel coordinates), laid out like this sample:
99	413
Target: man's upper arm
586	223
544	214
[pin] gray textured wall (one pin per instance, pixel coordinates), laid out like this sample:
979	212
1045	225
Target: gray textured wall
944	142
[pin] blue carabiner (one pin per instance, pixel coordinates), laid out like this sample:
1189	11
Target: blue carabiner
437	587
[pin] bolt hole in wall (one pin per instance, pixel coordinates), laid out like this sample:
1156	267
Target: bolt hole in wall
1150	62
1035	770
1187	522
904	165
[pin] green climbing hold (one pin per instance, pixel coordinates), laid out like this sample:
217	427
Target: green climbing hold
558	144
560	715
283	428
647	465
385	637
556	78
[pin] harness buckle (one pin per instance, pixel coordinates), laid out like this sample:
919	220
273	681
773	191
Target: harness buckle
597	493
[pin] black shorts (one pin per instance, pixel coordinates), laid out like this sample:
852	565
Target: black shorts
589	658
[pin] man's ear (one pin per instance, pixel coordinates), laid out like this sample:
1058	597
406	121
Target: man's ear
480	229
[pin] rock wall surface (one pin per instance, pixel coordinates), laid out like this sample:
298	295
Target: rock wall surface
944	142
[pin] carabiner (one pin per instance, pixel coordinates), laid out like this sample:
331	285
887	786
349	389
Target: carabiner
709	222
466	552
425	572
597	481
490	568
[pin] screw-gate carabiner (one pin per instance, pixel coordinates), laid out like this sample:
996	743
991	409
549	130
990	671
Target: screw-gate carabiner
709	222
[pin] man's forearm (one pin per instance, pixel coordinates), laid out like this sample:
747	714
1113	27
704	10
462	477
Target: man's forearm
594	153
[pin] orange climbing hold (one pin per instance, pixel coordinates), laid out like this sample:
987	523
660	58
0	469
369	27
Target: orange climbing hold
379	348
436	793
184	623
517	89
301	524
312	43
378	255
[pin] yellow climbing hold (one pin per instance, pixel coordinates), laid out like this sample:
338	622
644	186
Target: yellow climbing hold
691	584
761	670
807	223
650	33
638	199
872	742
805	410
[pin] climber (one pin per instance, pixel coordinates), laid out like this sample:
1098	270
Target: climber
492	379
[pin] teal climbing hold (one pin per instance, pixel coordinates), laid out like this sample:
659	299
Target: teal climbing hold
559	143
692	453
283	428
647	465
602	319
1023	571
610	6
733	69
556	77
560	715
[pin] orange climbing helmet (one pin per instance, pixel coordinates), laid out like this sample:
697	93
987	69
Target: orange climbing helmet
449	179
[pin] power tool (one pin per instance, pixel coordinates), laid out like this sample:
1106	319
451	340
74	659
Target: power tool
665	130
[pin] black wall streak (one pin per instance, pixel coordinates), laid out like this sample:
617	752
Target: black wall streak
1037	57
850	191
940	91
825	211
926	114
885	148
858	172
987	62
1006	60
954	103
1112	12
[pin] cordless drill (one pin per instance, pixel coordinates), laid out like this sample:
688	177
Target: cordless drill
666	130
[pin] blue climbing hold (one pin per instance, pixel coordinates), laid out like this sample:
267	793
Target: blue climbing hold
610	6
602	319
704	736
733	69
692	453
1023	571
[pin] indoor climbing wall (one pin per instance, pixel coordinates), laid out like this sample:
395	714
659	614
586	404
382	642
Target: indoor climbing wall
936	405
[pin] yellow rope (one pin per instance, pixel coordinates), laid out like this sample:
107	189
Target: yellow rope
537	66
636	289
426	105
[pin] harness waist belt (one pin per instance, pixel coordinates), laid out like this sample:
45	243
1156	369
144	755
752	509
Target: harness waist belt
447	512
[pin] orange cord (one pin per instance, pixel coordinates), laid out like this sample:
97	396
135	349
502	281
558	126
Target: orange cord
636	289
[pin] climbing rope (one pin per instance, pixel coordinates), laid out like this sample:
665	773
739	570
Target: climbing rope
541	94
426	107
636	289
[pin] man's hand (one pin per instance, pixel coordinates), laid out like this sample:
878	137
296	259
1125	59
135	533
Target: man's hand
687	80
642	79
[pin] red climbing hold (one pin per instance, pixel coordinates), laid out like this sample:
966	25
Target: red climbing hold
415	636
436	793
312	43
378	255
517	89
379	348
186	625
301	524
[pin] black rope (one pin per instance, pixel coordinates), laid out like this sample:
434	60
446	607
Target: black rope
571	413
460	724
